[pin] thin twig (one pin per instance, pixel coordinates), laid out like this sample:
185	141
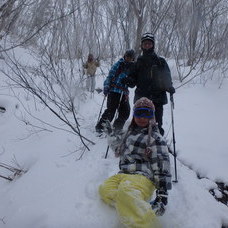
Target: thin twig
7	178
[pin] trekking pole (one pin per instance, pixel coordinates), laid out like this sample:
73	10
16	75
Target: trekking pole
106	154
101	109
174	141
121	96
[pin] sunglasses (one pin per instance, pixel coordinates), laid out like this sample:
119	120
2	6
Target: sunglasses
143	112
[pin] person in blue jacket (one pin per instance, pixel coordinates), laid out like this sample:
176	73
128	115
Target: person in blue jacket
117	93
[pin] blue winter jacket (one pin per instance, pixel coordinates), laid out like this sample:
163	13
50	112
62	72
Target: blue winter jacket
118	71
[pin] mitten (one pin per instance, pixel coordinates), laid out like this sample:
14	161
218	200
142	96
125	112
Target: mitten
124	80
171	90
128	81
160	202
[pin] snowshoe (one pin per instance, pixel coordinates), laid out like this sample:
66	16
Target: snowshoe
99	90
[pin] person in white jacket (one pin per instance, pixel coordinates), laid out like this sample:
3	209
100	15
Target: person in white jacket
91	67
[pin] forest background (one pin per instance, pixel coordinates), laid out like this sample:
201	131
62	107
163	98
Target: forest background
55	38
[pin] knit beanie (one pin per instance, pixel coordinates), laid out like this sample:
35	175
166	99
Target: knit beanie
144	102
147	36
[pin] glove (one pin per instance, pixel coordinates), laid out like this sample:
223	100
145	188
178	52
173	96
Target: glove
106	90
125	80
171	90
128	81
160	202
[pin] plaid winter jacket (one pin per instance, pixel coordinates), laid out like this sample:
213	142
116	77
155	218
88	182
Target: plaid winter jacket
118	71
135	159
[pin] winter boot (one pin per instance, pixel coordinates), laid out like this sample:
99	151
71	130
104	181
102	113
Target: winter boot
99	128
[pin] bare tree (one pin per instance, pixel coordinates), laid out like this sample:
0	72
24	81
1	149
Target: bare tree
139	8
194	33
54	84
6	10
195	20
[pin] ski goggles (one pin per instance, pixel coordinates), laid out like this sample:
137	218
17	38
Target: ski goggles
143	112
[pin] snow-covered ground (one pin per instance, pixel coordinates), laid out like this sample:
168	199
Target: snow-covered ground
60	187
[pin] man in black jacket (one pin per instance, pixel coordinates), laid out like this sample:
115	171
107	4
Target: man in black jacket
152	78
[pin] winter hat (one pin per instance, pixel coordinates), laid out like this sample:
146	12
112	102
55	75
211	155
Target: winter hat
90	57
144	102
147	36
130	53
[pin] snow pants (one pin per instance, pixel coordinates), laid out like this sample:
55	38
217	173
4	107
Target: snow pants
129	195
114	103
90	83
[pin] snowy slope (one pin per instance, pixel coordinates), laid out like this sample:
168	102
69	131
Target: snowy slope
60	186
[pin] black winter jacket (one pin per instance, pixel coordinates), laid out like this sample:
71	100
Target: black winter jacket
152	78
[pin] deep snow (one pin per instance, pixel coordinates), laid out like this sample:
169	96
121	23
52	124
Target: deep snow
60	190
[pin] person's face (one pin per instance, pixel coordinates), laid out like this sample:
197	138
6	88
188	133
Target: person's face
142	121
147	44
128	59
143	115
